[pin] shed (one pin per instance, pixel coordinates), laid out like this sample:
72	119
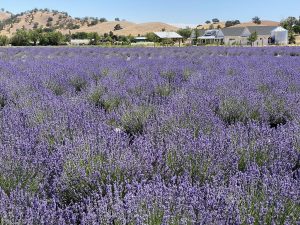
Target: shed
168	35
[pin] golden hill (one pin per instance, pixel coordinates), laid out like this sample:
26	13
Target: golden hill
246	24
263	23
63	23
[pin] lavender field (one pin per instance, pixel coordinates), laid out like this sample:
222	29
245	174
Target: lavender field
150	136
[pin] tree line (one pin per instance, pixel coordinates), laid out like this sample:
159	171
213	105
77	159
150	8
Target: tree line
46	37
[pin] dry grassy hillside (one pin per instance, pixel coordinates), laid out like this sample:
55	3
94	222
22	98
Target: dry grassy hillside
4	15
63	23
216	25
263	23
246	24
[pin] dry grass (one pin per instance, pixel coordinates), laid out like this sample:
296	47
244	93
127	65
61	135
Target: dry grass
263	23
28	20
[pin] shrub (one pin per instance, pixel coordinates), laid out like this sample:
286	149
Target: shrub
78	83
133	122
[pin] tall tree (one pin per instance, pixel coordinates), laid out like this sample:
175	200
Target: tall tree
21	38
253	38
256	20
215	20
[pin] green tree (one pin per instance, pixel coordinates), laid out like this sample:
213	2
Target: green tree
4	40
296	29
292	38
102	20
185	33
152	37
207	22
118	27
52	38
256	20
289	23
20	38
215	20
94	38
253	38
35	35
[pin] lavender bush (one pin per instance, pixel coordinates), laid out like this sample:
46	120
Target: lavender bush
150	136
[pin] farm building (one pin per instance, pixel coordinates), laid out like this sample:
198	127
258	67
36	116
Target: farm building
236	36
214	36
266	35
169	36
80	42
263	34
140	39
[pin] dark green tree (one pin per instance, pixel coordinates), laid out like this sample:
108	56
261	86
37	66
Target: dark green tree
215	20
118	27
20	38
256	20
185	33
4	40
94	38
253	38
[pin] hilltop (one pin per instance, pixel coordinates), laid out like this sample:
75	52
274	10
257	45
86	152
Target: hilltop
64	23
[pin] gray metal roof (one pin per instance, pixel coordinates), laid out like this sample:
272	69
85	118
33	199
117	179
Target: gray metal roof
262	30
140	38
212	34
234	31
167	35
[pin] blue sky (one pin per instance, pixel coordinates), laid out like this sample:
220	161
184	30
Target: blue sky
170	11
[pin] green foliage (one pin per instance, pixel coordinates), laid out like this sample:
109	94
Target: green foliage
51	38
56	88
155	216
26	179
4	40
253	37
108	104
2	101
118	27
102	20
232	110
277	112
21	38
185	33
78	83
164	90
152	37
133	121
80	35
256	20
230	23
94	38
81	179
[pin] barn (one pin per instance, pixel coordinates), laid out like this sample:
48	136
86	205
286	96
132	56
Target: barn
236	36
